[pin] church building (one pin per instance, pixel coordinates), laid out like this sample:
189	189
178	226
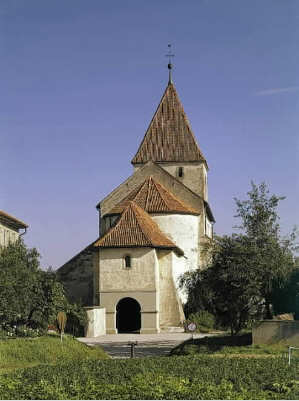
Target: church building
152	229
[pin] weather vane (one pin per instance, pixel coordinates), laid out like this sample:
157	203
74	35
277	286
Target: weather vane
169	55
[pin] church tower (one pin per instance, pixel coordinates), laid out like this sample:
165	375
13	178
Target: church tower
170	142
153	229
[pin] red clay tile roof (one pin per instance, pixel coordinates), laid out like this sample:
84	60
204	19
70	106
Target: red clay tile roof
152	197
12	220
135	228
169	137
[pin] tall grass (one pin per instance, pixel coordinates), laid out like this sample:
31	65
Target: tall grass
47	350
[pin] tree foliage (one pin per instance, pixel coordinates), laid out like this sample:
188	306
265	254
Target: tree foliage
229	288
29	295
260	223
243	269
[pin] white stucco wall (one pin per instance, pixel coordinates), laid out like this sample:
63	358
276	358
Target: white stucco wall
183	230
96	325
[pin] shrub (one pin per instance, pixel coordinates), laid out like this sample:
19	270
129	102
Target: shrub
204	321
190	377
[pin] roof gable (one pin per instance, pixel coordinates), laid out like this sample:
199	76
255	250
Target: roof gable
135	228
153	169
153	197
169	137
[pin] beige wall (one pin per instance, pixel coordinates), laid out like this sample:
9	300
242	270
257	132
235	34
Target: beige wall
194	176
140	282
7	234
170	307
114	276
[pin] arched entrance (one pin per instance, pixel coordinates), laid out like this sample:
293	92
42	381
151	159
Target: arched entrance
128	316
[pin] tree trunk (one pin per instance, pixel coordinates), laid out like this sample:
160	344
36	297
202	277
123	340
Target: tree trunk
268	314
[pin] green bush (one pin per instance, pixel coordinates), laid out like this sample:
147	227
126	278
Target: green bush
204	321
190	377
76	320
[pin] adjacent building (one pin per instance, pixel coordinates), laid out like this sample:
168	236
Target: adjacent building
10	228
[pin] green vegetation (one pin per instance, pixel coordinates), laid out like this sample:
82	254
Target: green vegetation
227	345
185	377
47	350
30	297
203	320
244	270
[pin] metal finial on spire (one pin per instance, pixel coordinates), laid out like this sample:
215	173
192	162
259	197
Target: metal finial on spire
169	55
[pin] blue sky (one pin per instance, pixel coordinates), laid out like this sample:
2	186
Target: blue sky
80	81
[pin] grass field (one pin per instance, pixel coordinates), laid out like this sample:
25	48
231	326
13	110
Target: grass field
47	350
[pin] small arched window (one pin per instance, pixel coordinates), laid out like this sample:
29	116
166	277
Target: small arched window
128	262
180	172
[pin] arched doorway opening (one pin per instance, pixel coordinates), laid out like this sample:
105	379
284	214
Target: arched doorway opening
128	316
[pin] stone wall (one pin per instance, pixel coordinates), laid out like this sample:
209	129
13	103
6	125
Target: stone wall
77	277
273	331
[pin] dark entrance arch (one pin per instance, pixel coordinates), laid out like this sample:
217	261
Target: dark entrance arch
128	316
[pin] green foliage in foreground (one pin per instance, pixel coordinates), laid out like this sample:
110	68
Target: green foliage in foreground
189	377
25	352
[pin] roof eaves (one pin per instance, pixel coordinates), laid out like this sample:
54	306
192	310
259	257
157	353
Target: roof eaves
16	221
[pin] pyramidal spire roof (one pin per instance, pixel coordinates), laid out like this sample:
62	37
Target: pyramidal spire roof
152	197
135	228
169	137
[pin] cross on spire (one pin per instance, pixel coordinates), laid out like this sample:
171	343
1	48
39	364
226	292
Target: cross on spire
169	55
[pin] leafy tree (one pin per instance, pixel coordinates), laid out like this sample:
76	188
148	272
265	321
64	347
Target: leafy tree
244	270
285	298
28	295
230	287
260	223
